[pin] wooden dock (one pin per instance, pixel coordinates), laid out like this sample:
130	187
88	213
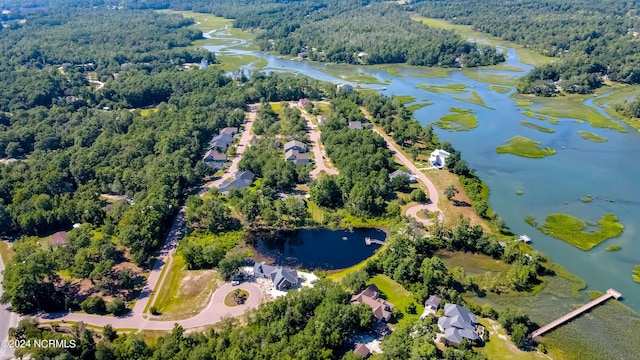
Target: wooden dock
370	241
611	293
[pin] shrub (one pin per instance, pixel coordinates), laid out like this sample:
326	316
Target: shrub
93	304
116	307
154	310
418	195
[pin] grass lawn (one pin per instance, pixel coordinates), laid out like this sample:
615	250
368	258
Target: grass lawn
500	89
459	120
580	234
230	301
473	264
527	56
499	346
489	78
278	109
444	89
591	136
474	98
522	146
397	295
185	292
6	252
324	108
569	106
531	125
147	112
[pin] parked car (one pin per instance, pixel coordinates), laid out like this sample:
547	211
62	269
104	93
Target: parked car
235	282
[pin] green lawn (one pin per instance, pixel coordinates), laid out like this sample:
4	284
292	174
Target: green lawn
535	126
527	56
499	347
591	136
474	98
522	146
444	89
397	295
459	120
278	109
500	89
580	234
569	106
473	264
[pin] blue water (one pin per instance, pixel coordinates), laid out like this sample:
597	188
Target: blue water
607	171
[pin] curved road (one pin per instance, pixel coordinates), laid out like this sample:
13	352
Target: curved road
433	192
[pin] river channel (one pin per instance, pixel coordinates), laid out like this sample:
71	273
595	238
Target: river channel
608	171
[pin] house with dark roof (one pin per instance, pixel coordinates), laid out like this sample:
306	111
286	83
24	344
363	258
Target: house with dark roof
229	131
362	350
355	125
214	159
241	181
371	296
295	145
297	157
221	142
431	305
459	323
282	278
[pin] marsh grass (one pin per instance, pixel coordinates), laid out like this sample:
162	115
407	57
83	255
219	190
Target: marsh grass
579	233
522	146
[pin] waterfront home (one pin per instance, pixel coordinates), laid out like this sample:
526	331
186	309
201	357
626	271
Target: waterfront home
524	239
214	159
459	323
438	158
371	296
282	278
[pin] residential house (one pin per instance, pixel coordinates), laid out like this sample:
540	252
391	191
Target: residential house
355	125
362	350
214	159
524	239
430	306
295	145
345	87
282	278
297	157
303	102
221	142
204	64
371	296
241	181
229	131
459	323
408	175
438	158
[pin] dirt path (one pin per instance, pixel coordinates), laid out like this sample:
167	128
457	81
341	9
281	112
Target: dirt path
314	136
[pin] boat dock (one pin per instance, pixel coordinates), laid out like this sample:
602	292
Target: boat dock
370	241
611	293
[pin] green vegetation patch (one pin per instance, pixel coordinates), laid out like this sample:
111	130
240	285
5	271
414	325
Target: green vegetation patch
522	146
614	248
569	106
531	220
591	136
459	120
474	98
531	125
539	116
404	99
580	234
500	89
236	297
416	106
636	274
519	192
398	296
444	89
348	73
491	78
586	199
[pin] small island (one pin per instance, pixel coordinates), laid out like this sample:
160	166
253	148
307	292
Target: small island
459	120
614	248
522	146
533	126
636	274
591	136
444	89
579	233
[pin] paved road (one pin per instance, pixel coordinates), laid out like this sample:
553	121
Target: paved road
242	145
8	319
321	162
215	312
433	192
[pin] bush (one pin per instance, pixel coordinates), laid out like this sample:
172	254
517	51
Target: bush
411	308
93	305
154	310
116	307
419	196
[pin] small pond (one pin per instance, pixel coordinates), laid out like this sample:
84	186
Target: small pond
318	249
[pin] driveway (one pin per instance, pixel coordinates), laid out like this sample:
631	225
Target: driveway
321	162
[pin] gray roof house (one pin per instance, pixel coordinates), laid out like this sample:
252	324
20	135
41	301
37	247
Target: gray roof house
408	175
214	159
241	181
459	323
222	141
229	131
281	277
430	306
297	157
295	145
355	125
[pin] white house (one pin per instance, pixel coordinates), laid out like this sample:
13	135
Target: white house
438	158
